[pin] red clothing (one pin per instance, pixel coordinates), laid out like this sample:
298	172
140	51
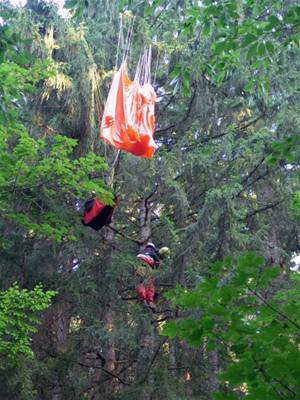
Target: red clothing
146	292
149	255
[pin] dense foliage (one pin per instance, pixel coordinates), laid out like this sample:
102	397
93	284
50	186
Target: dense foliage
256	329
17	319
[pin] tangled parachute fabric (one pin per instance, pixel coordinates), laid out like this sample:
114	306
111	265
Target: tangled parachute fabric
128	119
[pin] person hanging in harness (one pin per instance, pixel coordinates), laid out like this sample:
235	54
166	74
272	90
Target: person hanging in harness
97	214
151	257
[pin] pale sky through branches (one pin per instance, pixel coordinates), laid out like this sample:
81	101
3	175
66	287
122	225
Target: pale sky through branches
59	3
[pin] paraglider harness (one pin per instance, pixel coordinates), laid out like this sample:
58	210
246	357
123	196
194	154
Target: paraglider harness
97	214
150	256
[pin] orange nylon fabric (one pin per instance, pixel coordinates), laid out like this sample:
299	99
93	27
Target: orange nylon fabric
128	119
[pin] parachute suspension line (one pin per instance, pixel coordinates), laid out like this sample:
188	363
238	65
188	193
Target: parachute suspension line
128	39
129	47
126	43
148	66
142	71
123	125
119	46
156	68
119	40
138	70
114	169
142	74
125	50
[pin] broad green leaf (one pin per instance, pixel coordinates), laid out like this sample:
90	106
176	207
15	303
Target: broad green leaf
273	22
206	28
219	47
261	50
170	329
248	39
224	396
252	51
270	47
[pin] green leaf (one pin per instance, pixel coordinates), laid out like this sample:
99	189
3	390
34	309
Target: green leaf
219	78
270	47
261	50
295	206
248	39
213	10
224	396
269	274
170	329
219	47
70	3
250	85
18	320
290	17
186	78
206	28
207	323
212	345
273	21
252	51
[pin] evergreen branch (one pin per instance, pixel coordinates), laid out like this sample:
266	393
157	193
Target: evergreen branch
107	372
139	242
285	386
253	170
129	298
237	129
20	189
155	354
221	236
167	128
127	366
265	208
249	123
153	321
187	114
152	193
275	108
112	374
268	380
160	112
254	181
157	17
131	221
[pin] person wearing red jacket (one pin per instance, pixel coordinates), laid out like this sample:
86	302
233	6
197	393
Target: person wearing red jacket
152	257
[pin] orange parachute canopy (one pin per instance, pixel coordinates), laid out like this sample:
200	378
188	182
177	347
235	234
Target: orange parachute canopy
128	119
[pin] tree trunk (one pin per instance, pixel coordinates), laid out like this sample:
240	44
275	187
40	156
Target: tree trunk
212	371
172	357
147	338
